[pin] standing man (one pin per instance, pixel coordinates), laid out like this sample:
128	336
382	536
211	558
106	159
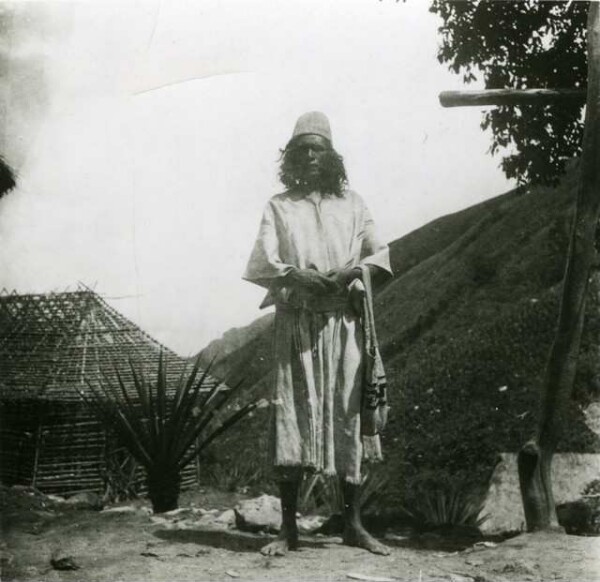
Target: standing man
312	242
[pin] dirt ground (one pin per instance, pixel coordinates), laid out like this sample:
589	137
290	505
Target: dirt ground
126	542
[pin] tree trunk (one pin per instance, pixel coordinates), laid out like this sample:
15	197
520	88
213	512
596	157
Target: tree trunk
163	489
535	458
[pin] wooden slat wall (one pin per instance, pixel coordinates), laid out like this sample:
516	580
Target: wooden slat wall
72	454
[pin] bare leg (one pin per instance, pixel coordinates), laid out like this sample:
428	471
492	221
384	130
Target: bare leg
354	532
288	534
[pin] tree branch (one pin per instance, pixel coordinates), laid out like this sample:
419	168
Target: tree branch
511	97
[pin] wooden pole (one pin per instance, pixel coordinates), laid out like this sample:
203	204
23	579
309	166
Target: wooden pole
511	97
535	458
36	459
198	467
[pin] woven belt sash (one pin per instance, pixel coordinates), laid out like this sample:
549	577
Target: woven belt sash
316	305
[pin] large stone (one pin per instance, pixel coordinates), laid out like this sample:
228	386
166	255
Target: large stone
571	472
259	514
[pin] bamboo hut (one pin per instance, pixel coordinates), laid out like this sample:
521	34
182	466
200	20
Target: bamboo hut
51	346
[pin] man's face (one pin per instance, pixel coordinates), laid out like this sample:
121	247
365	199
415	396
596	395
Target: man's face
310	150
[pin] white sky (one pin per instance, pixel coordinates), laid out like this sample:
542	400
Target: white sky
145	172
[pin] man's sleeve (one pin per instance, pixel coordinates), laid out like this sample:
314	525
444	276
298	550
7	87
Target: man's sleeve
373	251
265	264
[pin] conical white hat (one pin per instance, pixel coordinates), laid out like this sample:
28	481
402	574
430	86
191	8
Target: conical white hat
313	122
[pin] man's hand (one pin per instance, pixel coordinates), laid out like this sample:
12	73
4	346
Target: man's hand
357	296
343	277
312	281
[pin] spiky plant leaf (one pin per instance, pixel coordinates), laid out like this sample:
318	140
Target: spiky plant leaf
109	412
307	490
372	486
208	439
164	429
133	413
184	415
448	507
203	413
144	399
209	408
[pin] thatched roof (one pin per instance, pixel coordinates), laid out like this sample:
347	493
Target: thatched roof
52	345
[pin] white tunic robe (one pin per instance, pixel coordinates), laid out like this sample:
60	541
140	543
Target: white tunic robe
315	418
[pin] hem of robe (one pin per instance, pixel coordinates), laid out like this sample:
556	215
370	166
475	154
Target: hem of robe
371	454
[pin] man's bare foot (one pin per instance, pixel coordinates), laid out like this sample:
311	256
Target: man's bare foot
281	545
359	537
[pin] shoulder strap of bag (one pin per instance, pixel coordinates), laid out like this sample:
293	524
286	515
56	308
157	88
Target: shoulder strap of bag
370	318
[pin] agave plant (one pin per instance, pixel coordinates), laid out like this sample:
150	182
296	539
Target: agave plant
318	491
448	507
234	477
164	430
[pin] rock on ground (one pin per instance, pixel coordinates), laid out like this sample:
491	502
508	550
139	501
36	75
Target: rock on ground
259	514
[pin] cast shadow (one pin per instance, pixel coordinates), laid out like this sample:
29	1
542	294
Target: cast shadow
233	540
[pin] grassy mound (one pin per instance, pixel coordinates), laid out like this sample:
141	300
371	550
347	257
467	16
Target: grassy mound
465	329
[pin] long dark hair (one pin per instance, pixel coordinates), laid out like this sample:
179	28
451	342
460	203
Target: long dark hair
332	177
